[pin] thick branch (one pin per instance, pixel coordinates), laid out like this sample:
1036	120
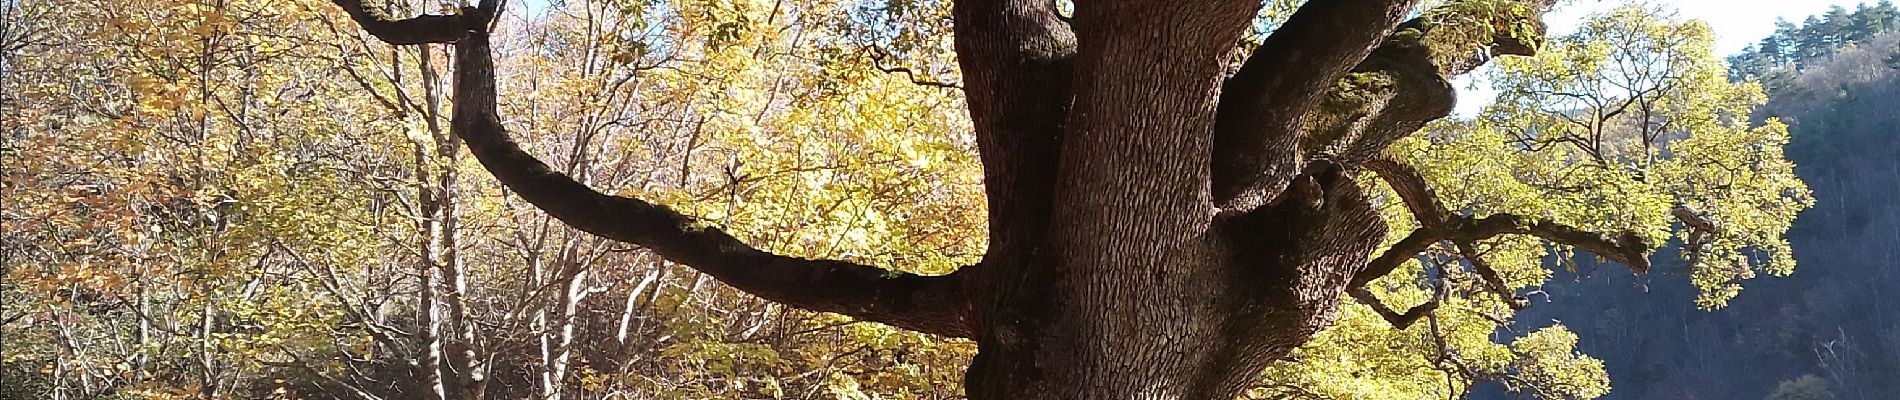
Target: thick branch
1398	320
930	304
1412	189
1017	57
1411	246
1263	105
1268	126
1627	249
415	30
1424	205
1437	224
1406	83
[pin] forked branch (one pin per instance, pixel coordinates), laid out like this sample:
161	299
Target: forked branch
1438	224
1406	82
1699	229
1398	320
1256	131
1287	105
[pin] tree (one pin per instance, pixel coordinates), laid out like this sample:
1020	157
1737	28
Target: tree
1622	119
1791	49
1880	18
319	287
1807	387
1157	227
1838	26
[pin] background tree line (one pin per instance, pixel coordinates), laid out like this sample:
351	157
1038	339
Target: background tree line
1793	48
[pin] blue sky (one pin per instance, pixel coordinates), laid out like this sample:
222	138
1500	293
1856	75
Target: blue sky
1736	22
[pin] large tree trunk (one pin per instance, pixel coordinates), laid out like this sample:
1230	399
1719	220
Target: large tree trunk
1140	287
1189	325
1159	227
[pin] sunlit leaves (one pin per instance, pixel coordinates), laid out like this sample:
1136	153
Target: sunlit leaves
181	153
1611	129
1548	360
773	124
1635	111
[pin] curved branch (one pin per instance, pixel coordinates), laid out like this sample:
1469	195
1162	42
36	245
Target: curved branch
1398	320
929	304
1263	105
877	56
1437	224
419	29
1627	249
1414	67
1286	106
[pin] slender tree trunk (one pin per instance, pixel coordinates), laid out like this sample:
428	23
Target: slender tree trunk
627	311
429	302
463	374
464	363
142	337
428	336
207	366
555	317
550	388
565	304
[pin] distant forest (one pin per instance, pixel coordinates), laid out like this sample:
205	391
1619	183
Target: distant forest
1832	329
1793	48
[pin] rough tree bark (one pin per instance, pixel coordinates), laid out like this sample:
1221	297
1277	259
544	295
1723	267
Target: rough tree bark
1158	228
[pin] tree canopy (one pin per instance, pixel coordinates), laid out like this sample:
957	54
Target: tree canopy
272	199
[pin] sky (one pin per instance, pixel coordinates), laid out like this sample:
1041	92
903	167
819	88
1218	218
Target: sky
1736	22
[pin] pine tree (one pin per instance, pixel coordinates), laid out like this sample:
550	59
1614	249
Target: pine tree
1837	29
1878	18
